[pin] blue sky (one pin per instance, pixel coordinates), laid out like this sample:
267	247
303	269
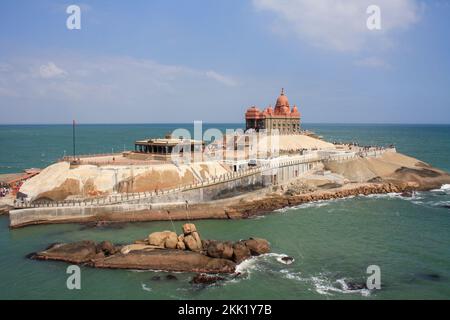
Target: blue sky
179	61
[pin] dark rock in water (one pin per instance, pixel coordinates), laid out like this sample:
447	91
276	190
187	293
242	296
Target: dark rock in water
287	259
202	278
355	285
156	278
408	194
446	206
429	276
171	277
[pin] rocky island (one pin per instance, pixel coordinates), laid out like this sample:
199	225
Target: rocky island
273	164
162	251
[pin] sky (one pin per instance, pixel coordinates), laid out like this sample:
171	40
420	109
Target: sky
176	61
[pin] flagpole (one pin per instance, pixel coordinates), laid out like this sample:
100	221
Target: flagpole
73	138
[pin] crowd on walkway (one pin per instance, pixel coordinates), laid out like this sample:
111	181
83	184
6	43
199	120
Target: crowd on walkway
4	191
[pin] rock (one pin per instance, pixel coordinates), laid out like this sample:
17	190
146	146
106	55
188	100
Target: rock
197	239
106	247
171	277
257	246
159	238
168	260
287	259
240	252
77	252
171	241
188	228
205	244
354	286
135	247
193	242
181	245
156	278
205	279
99	255
219	249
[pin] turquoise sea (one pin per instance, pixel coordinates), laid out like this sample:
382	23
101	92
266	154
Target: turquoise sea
333	242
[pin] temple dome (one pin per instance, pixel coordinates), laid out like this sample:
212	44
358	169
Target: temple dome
294	112
282	100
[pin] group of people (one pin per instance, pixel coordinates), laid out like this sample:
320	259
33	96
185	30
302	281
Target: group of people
4	190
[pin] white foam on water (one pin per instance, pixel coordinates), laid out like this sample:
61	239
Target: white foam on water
145	288
444	187
312	204
324	286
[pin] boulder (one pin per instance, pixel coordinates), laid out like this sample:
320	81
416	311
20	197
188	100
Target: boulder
202	278
171	241
188	228
159	238
193	242
219	249
205	244
181	245
240	252
106	247
257	246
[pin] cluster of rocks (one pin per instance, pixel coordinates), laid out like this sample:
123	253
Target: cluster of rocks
275	202
160	251
190	239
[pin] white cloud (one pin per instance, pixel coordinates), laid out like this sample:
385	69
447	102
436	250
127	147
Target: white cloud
90	80
50	70
228	81
340	24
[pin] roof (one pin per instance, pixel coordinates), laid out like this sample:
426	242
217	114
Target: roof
166	141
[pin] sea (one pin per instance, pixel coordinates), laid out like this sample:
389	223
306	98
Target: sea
335	244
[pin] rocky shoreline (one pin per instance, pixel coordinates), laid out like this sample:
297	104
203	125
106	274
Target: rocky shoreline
277	201
162	251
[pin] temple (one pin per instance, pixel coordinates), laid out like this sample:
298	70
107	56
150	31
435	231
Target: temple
282	118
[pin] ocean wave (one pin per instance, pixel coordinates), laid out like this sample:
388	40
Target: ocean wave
323	285
444	188
312	204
